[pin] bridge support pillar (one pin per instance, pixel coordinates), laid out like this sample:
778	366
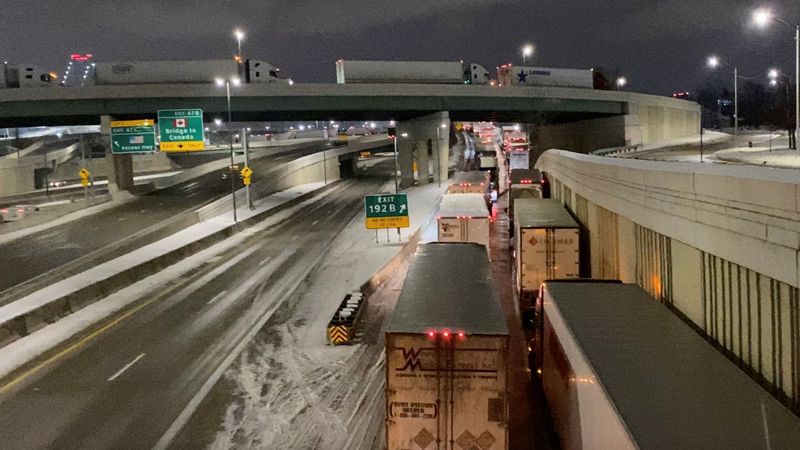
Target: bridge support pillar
419	140
120	176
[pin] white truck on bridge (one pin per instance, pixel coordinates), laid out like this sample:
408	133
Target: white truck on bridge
185	72
508	75
423	72
16	76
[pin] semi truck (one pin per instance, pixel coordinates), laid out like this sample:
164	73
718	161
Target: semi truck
185	72
546	243
470	182
423	72
447	348
509	75
621	371
464	218
14	76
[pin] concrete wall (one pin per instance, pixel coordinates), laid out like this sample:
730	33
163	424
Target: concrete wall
418	141
15	177
649	120
720	245
583	136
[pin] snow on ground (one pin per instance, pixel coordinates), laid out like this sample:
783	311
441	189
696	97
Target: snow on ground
291	389
18	234
761	156
32	346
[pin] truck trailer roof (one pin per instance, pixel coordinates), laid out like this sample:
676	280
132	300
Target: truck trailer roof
542	213
463	205
472	177
449	287
671	388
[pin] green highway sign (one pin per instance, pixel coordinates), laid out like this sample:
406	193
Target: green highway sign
386	211
181	130
133	136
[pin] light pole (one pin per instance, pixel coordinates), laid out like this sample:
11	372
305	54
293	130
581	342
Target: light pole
439	152
227	83
239	38
714	62
527	50
762	18
774	75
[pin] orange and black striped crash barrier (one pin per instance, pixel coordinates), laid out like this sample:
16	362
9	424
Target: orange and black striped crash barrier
341	328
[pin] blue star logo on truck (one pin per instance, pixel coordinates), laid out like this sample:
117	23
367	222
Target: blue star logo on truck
523	77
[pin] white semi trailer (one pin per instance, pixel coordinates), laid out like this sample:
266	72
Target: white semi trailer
422	72
447	348
621	371
546	243
185	72
508	75
470	182
464	218
20	76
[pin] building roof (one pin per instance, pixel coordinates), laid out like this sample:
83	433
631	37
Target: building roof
449	287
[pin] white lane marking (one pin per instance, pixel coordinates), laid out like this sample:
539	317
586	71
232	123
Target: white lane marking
217	297
315	222
264	261
127	366
295	238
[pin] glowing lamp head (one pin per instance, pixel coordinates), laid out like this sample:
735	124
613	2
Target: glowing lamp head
236	81
712	62
762	17
239	34
219	82
773	74
527	50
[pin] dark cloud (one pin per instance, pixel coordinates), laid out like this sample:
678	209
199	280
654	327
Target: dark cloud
659	45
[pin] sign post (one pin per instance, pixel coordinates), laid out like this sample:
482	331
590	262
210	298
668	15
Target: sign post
385	211
181	130
133	136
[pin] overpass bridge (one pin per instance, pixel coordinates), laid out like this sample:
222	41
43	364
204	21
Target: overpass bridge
578	119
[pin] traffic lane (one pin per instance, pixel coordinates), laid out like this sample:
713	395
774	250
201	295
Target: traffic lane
45	251
527	423
183	338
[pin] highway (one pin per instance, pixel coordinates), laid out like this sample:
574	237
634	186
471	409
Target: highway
128	383
50	249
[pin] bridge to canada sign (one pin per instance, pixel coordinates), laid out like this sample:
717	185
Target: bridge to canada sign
181	130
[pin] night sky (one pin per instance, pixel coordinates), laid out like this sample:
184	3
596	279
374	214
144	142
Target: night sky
660	46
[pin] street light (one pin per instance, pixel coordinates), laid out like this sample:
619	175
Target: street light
762	18
774	76
227	83
621	82
439	152
527	50
239	38
714	62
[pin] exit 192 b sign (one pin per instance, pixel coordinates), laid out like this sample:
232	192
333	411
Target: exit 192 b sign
386	211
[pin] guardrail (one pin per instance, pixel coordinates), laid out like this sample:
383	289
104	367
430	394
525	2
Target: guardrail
342	327
614	151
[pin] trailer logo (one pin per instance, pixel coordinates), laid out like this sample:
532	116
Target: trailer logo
412	359
533	241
